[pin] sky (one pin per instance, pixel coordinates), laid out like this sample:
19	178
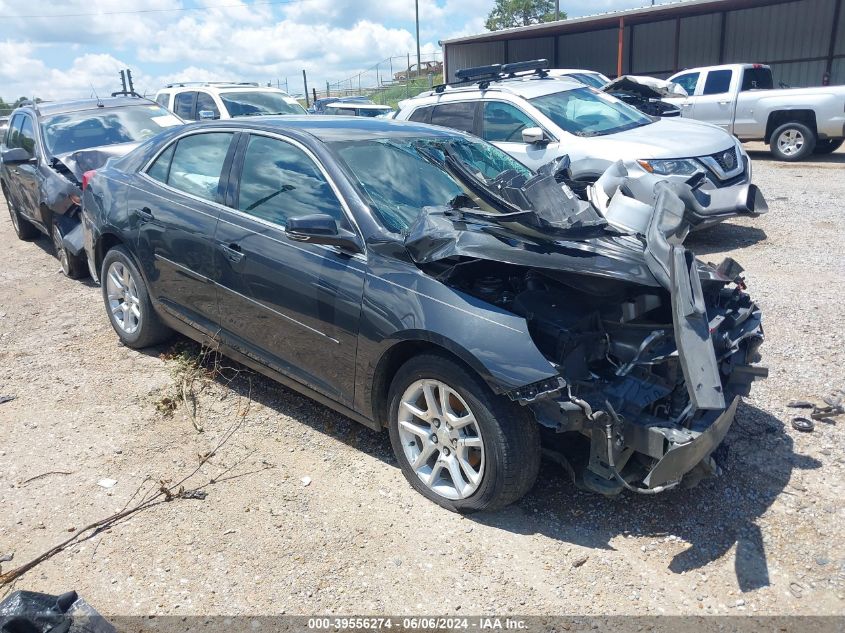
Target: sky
71	55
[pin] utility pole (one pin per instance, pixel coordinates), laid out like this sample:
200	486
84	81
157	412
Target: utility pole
419	61
557	9
305	82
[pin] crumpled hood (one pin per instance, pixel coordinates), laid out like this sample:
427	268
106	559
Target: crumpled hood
441	233
646	87
665	138
83	160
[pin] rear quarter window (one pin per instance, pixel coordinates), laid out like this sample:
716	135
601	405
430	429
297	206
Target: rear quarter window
421	115
459	116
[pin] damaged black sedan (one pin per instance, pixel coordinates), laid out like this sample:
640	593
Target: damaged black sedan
46	151
421	280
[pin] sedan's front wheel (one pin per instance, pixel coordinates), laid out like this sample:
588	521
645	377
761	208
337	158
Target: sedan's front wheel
73	266
128	303
457	443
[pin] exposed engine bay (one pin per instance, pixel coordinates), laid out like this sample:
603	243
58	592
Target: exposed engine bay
652	348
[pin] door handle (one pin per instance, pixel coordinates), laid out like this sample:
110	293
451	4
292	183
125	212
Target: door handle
232	252
724	102
145	215
686	105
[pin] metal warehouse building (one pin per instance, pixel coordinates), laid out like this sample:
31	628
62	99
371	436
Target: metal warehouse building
801	39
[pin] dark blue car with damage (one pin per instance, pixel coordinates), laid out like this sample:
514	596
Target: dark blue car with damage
419	280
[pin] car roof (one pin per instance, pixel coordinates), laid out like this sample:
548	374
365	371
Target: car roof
527	88
357	105
333	128
49	108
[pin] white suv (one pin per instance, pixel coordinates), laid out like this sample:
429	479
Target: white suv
194	101
536	118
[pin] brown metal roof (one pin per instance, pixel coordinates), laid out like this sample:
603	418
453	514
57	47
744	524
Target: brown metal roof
600	21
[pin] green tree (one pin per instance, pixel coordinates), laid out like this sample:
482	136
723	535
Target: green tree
510	13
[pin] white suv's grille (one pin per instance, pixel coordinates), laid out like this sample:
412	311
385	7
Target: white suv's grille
726	164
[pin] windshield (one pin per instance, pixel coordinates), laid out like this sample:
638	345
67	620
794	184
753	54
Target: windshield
104	126
586	112
590	79
401	176
255	103
371	112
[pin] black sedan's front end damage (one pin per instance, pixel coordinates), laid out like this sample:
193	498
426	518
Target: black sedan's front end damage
652	348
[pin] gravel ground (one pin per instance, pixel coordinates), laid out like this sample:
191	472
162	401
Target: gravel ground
763	538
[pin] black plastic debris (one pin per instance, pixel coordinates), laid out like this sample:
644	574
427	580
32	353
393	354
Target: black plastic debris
805	425
32	612
800	404
5	399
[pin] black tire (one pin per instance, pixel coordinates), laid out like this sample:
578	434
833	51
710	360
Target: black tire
23	228
510	437
150	329
803	135
73	266
828	145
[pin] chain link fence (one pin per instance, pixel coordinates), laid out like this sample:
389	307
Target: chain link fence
390	80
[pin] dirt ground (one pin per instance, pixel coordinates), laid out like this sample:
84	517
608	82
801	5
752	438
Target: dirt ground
764	538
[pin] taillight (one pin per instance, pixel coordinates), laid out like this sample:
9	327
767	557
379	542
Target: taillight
86	178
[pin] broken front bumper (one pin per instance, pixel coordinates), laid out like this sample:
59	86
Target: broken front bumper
690	449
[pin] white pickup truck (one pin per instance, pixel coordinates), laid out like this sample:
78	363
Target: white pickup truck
795	122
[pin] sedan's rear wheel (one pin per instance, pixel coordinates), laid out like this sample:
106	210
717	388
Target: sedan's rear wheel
23	229
73	266
128	303
457	443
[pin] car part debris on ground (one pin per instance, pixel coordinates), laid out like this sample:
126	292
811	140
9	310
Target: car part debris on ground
32	612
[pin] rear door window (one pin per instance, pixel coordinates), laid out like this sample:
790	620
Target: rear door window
687	82
195	165
280	181
183	105
718	82
460	116
421	115
205	102
504	122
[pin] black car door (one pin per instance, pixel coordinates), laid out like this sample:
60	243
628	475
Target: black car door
176	208
26	176
292	305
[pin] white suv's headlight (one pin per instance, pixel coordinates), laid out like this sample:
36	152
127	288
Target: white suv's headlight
670	166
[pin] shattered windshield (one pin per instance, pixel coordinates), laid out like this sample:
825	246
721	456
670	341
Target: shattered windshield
590	79
586	112
402	176
255	103
75	131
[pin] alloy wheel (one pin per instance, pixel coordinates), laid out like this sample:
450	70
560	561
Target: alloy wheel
61	253
14	216
441	439
122	292
790	142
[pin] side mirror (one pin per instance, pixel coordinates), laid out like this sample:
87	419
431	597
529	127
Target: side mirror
320	228
17	156
534	136
207	115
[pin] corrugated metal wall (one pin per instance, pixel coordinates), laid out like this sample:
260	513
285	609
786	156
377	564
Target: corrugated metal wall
700	37
654	48
535	48
595	50
794	37
475	54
